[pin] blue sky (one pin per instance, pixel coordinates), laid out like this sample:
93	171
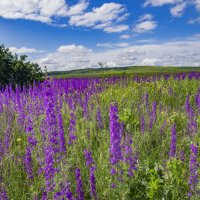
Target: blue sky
75	34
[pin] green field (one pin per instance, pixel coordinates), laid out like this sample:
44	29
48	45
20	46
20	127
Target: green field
136	70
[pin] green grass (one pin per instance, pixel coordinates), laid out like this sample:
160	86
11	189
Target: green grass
128	71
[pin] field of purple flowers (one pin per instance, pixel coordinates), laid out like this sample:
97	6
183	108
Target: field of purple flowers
101	138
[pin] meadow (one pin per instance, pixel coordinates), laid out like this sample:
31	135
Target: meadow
103	138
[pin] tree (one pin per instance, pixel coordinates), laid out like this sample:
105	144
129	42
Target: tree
15	70
102	64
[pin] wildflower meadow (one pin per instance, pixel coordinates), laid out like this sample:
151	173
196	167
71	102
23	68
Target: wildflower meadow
123	138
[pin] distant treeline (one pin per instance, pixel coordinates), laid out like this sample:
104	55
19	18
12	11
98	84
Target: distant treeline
15	70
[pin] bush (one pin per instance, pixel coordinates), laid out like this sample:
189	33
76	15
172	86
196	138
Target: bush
15	70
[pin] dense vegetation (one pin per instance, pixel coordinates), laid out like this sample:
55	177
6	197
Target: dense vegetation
15	70
92	138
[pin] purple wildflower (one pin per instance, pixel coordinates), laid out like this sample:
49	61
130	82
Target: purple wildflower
93	183
49	169
163	127
194	165
172	152
147	102
182	156
28	163
128	155
142	124
72	128
188	108
68	192
115	137
3	194
99	118
61	133
88	158
44	196
79	185
153	115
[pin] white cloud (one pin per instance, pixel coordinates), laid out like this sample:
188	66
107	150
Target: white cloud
194	21
125	36
172	53
128	36
113	45
178	10
37	10
145	24
160	2
78	8
150	61
116	28
197	4
24	50
73	49
179	5
105	17
145	17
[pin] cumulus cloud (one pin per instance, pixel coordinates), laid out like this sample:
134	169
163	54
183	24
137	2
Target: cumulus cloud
37	10
179	5
116	28
145	24
178	10
105	17
78	49
160	2
24	50
172	53
78	8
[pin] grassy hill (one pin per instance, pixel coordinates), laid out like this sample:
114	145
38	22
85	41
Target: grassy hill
137	70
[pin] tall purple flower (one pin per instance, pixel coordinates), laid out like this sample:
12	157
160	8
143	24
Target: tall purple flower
129	156
49	169
93	183
79	185
28	163
194	165
163	127
44	196
61	133
88	158
182	156
52	143
99	118
30	131
153	115
142	124
115	138
192	126
188	108
72	128
197	99
3	194
68	192
90	163
147	102
172	152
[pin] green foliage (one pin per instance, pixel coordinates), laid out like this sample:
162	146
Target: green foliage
15	70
